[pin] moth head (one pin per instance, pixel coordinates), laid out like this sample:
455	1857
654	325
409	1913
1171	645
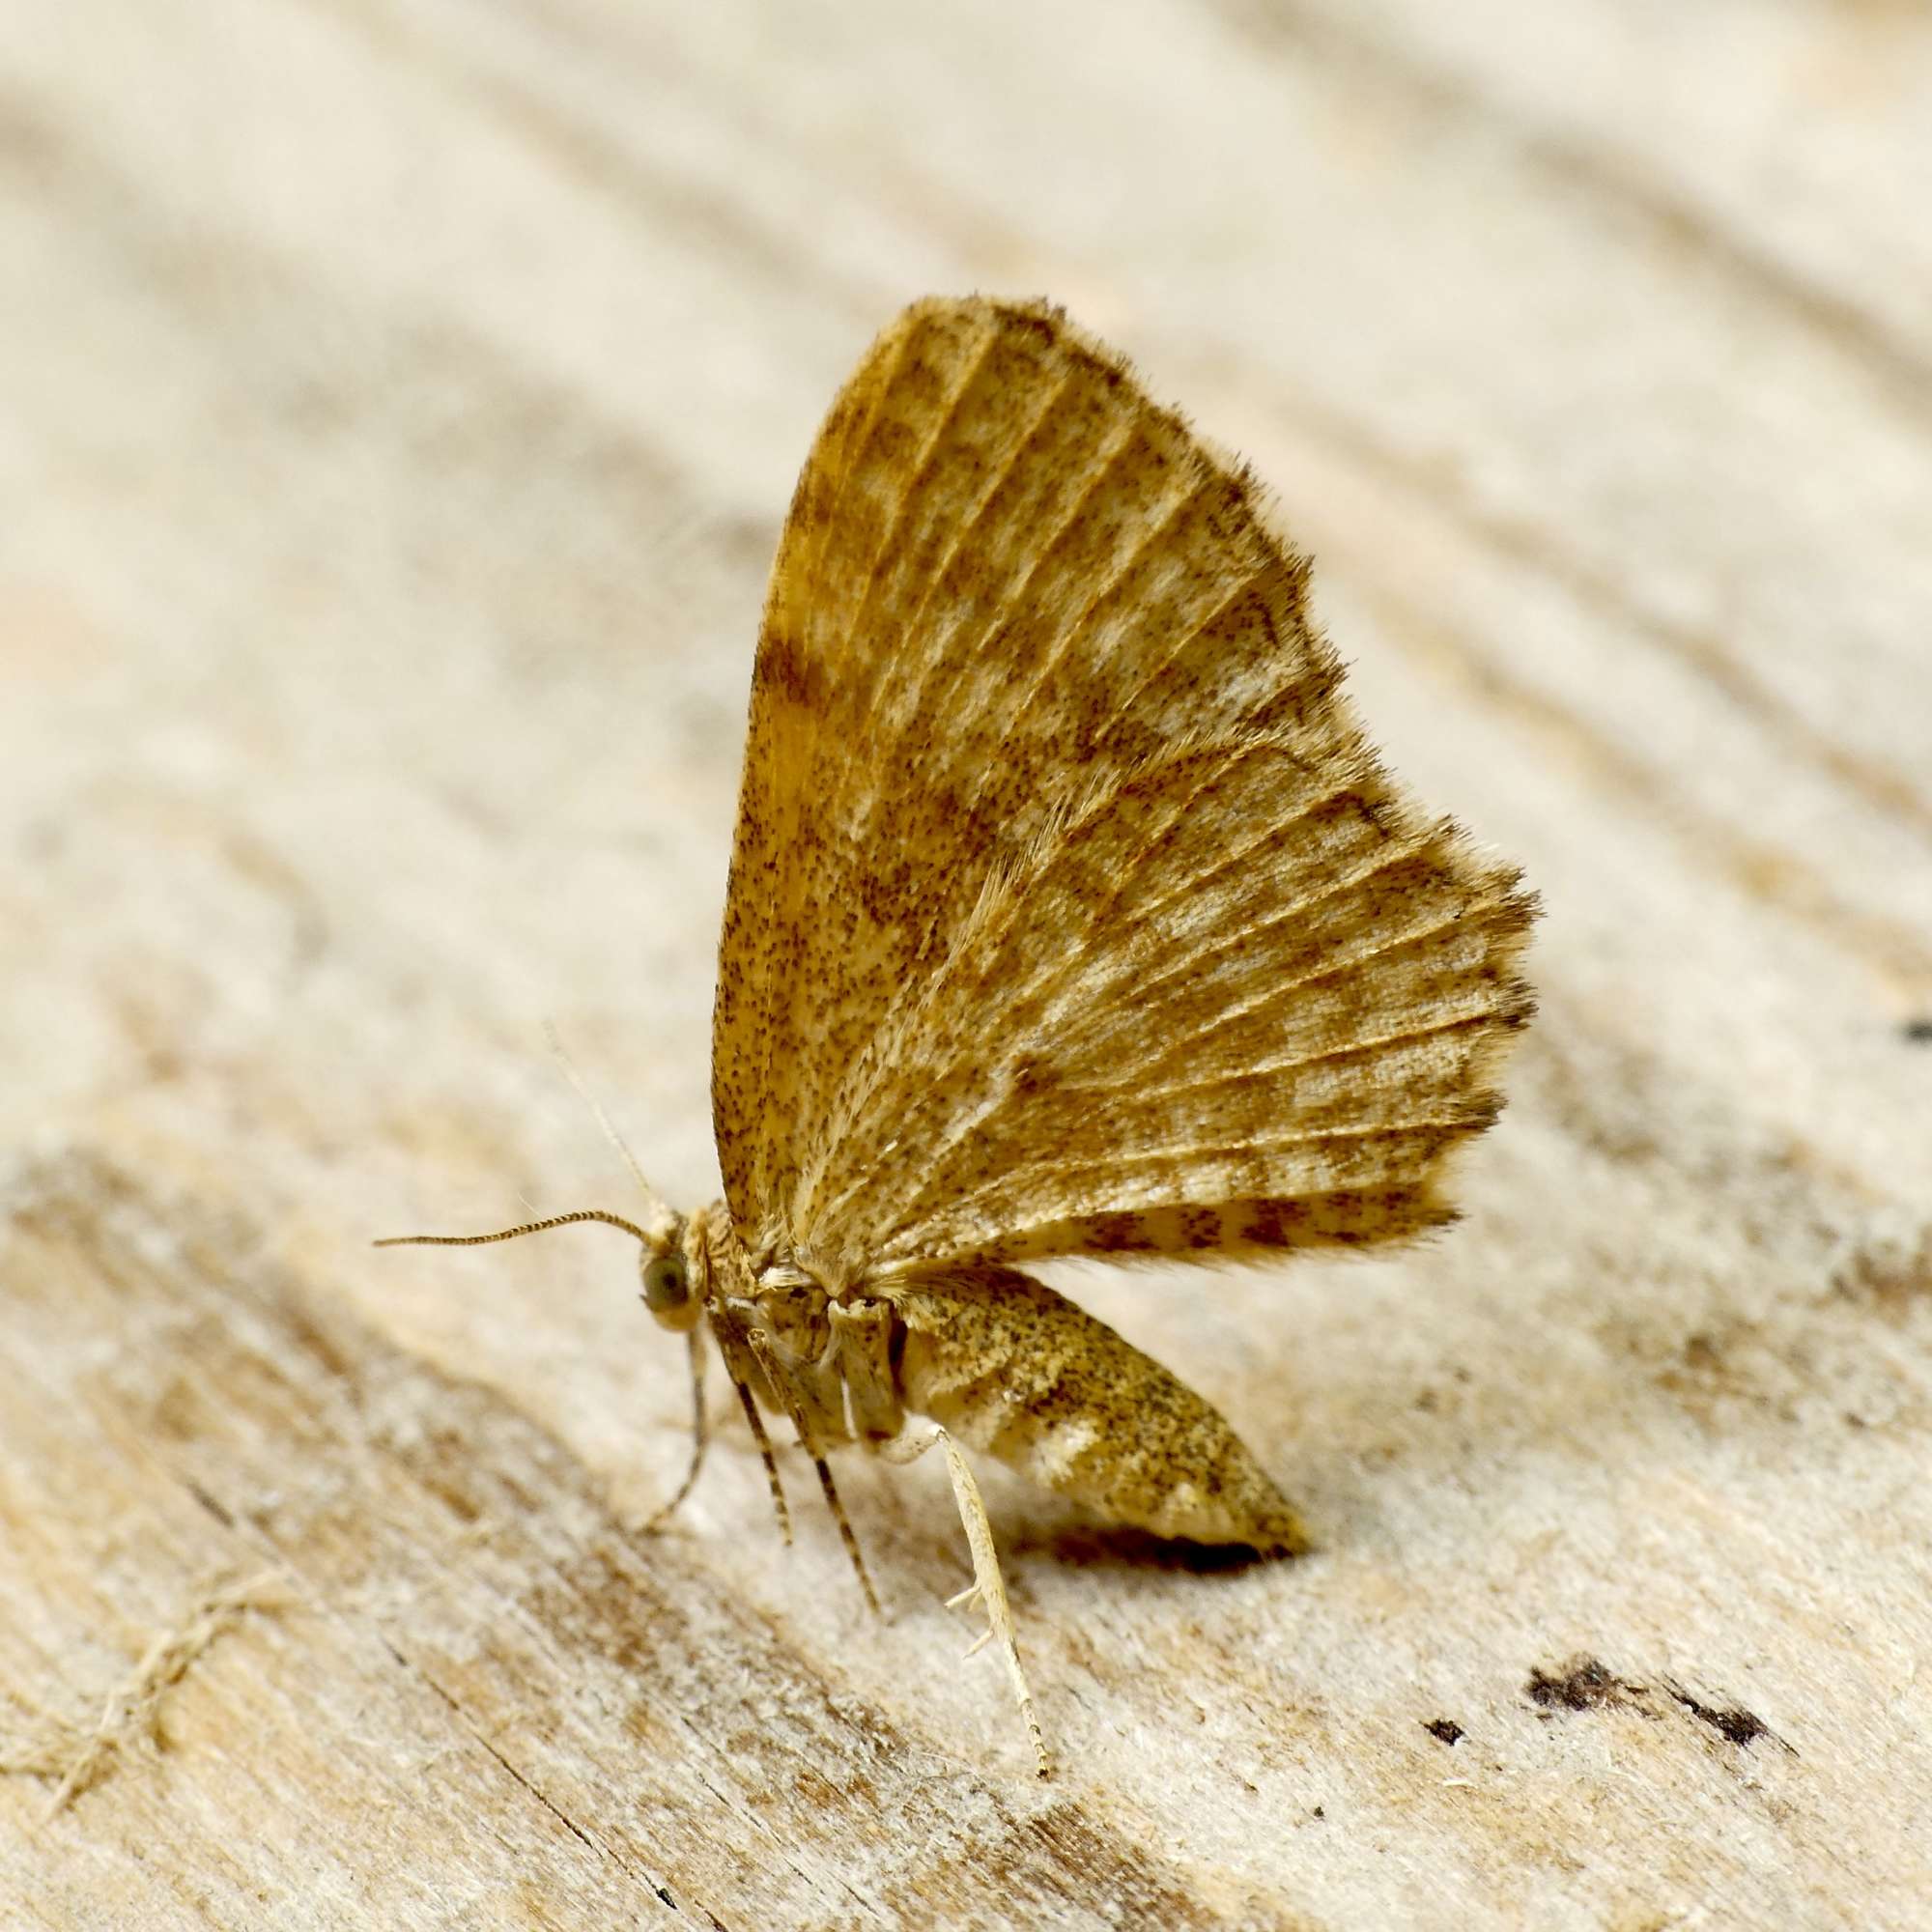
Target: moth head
669	1266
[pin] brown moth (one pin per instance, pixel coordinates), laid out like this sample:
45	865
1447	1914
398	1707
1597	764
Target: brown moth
1070	914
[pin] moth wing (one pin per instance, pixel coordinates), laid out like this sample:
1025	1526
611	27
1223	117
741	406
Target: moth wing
1069	911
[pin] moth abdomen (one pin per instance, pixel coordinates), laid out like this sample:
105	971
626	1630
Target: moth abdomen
1024	1375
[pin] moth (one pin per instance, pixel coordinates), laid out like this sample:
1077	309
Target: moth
1070	914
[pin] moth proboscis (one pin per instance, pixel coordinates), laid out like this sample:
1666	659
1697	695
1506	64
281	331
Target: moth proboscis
1070	914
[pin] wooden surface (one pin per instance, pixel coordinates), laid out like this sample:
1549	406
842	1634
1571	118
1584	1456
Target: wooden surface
399	404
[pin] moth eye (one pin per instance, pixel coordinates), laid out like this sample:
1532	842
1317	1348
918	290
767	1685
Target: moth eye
666	1285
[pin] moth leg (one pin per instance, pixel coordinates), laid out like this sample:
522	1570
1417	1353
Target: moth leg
864	1332
731	1341
700	1436
768	1361
989	1586
764	1443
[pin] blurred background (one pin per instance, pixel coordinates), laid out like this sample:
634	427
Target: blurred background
398	403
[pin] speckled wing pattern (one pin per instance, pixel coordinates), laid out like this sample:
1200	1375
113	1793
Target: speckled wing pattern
1070	910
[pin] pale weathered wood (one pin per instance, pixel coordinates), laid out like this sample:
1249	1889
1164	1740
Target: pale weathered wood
400	404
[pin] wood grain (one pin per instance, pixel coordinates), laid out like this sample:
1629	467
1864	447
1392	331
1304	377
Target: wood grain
400	405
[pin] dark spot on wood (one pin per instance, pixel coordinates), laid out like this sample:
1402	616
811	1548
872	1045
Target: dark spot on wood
1733	1722
1582	1684
1445	1728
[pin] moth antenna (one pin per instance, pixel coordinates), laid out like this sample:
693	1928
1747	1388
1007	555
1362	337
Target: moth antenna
662	1218
511	1233
700	1437
762	1351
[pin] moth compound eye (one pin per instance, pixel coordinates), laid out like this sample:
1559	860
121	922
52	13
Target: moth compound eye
666	1284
